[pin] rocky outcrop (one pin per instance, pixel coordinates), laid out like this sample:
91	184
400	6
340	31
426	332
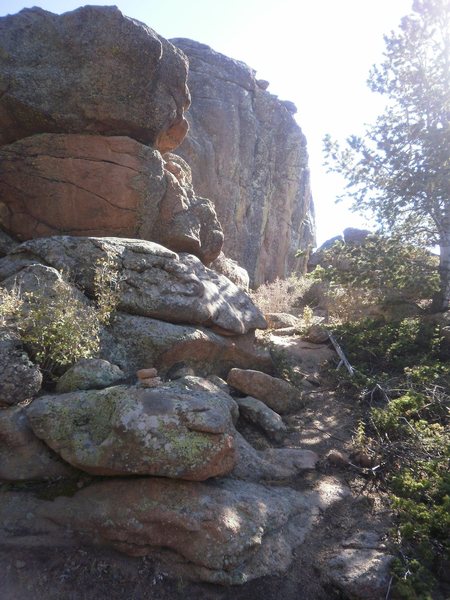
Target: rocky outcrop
166	431
91	70
110	186
230	268
249	156
155	282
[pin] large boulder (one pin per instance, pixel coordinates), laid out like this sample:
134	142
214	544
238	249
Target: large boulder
23	456
249	156
134	343
156	282
220	531
108	186
91	70
170	431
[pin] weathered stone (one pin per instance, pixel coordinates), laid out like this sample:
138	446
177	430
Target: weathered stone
89	374
106	186
360	573
260	414
281	320
20	379
146	373
156	282
91	70
222	531
186	223
249	156
277	394
167	431
23	456
316	334
230	268
134	342
271	464
38	279
306	358
353	235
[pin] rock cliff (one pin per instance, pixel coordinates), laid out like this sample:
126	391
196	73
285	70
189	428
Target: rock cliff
249	156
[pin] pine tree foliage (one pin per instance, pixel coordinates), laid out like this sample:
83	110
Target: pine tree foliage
400	169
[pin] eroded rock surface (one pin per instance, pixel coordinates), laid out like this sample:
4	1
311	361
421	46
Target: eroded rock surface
53	184
249	156
166	431
91	70
156	282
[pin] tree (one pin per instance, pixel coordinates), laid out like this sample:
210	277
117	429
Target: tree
400	169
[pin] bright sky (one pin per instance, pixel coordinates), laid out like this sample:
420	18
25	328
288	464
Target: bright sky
316	53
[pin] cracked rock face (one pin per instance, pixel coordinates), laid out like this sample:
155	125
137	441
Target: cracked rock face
91	70
155	281
249	156
109	186
168	431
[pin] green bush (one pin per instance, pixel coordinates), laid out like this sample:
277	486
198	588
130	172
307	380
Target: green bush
407	428
61	327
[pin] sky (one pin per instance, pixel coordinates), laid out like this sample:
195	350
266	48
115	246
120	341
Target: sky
315	53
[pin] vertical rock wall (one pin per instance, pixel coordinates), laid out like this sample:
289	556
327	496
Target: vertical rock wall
249	156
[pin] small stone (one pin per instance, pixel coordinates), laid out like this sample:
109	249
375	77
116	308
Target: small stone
337	458
20	564
363	459
147	373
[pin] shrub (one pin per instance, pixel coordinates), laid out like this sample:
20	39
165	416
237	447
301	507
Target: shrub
61	327
58	329
281	295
